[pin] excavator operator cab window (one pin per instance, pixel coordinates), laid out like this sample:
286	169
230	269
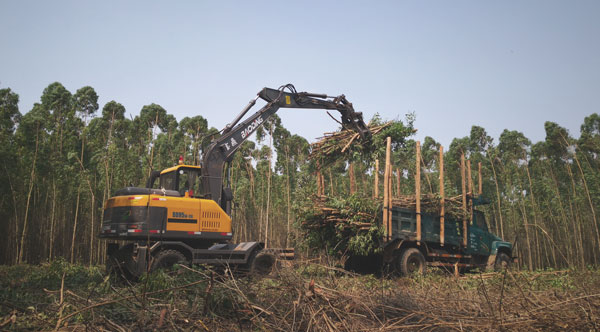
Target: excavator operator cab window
168	180
181	180
188	182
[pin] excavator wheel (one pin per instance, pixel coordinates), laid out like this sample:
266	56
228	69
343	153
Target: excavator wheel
117	263
262	262
165	259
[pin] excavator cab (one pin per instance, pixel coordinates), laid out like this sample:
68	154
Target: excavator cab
183	179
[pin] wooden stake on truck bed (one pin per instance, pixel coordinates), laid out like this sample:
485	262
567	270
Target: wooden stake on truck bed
469	178
480	191
464	197
418	190
387	220
376	188
390	204
398	176
442	199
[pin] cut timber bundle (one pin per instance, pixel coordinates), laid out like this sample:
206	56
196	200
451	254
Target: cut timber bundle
338	142
345	217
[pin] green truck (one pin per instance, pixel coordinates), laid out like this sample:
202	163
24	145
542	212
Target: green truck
405	251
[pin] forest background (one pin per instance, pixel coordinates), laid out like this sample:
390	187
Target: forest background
63	158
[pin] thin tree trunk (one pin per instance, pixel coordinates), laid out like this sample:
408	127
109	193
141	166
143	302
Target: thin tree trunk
534	207
101	243
152	146
92	229
287	170
589	199
14	199
31	181
575	219
524	213
497	196
268	190
52	220
75	227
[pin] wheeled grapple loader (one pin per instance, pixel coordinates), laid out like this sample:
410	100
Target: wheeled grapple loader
187	218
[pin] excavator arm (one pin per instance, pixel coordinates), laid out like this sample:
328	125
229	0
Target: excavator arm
222	150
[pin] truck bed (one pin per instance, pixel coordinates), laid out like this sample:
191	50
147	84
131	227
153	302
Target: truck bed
404	227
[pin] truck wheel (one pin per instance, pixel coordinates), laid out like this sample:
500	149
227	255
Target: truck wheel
166	259
262	263
411	261
502	262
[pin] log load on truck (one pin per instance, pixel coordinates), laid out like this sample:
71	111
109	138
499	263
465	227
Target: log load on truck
412	243
187	219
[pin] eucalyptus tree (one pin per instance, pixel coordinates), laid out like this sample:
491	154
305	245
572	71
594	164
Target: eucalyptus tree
152	117
31	139
513	147
9	119
85	102
194	131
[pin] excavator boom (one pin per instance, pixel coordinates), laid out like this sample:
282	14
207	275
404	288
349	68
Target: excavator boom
223	149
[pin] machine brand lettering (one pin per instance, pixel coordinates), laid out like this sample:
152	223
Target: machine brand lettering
182	215
251	127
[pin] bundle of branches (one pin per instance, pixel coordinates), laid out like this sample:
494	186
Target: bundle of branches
339	142
342	225
430	204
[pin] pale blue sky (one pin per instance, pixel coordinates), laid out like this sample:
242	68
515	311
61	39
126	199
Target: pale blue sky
497	64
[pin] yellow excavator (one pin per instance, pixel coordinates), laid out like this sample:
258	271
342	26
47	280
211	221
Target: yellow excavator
187	219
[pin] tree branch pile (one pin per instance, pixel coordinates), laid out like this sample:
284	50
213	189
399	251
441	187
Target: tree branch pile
342	225
307	297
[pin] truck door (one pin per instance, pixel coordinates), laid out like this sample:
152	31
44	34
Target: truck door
479	237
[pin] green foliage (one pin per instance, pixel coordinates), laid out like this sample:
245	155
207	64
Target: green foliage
343	235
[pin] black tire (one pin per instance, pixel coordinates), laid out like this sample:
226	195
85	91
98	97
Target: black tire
502	262
410	261
262	263
165	259
117	263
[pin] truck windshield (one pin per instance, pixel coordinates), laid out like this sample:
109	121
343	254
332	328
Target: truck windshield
480	220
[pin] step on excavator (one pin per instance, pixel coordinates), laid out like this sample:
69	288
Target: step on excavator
187	219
